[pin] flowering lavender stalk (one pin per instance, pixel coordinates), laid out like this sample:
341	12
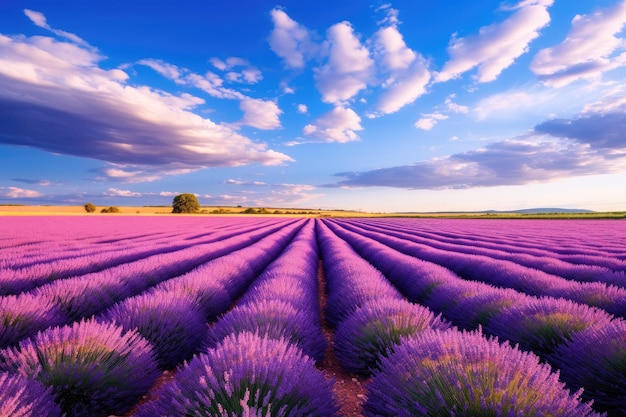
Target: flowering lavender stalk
174	325
245	375
595	359
24	315
275	320
94	369
455	373
23	397
373	331
541	324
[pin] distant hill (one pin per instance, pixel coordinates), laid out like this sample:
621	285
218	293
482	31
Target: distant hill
542	210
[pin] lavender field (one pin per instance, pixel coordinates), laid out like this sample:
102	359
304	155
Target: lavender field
237	316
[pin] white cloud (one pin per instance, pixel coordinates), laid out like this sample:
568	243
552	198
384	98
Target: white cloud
121	193
290	40
406	72
588	49
302	108
338	125
239	182
497	46
261	114
168	194
455	108
16	192
249	74
39	19
58	99
348	68
428	121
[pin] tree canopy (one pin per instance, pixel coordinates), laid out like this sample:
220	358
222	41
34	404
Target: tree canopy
185	203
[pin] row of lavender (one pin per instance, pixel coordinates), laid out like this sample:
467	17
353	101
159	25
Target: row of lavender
586	344
421	365
99	352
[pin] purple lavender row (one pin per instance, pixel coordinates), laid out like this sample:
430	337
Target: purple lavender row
259	354
606	250
546	263
173	314
556	329
71	299
282	302
421	368
14	281
370	315
507	274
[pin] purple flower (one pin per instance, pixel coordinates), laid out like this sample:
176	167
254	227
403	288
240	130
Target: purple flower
23	397
373	330
246	375
94	369
480	309
273	319
24	315
174	325
464	374
541	324
210	295
595	359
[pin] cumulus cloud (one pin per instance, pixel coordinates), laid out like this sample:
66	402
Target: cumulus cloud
428	121
54	96
248	75
16	192
338	125
348	67
115	192
590	144
405	72
513	162
290	40
496	46
589	49
302	108
261	114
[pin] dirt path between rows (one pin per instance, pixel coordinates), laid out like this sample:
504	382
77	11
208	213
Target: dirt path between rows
349	390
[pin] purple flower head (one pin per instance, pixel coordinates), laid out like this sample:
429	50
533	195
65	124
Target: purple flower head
23	397
210	295
273	319
372	331
94	369
24	315
283	289
447	296
597	294
479	309
464	374
541	324
595	359
246	373
174	325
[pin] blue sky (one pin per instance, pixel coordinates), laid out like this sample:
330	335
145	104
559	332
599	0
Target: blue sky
376	106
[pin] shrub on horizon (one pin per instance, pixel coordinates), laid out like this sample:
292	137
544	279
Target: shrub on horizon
89	208
185	203
94	369
24	397
373	331
449	373
111	209
246	375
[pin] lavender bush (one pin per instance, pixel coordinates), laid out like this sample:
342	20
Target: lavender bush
541	324
23	397
372	332
272	319
94	369
245	375
174	325
453	373
595	359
